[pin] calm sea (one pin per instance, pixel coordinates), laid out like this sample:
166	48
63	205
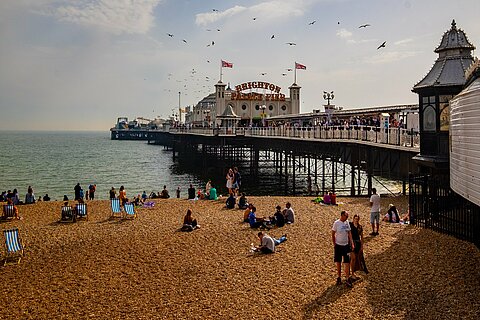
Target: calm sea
53	163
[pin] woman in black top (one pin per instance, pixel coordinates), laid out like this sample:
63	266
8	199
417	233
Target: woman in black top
357	261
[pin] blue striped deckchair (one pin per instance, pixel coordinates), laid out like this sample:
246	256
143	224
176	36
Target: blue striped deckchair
129	210
8	211
115	203
67	214
13	245
81	211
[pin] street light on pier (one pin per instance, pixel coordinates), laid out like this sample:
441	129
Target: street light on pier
328	107
328	96
263	107
207	116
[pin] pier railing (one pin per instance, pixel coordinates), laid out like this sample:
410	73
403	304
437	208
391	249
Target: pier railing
390	136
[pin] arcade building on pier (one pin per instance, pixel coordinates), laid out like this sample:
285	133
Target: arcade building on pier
248	103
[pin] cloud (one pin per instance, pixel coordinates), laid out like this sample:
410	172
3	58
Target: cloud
266	10
203	19
387	57
402	42
115	16
344	33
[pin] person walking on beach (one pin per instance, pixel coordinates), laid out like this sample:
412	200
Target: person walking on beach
113	193
77	189
91	191
374	212
230	176
191	192
237	181
122	195
341	237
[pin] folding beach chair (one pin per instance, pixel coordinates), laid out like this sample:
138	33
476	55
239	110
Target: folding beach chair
68	214
129	210
13	245
115	203
81	211
8	211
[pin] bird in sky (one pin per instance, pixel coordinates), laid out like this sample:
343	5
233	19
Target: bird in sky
263	73
254	18
273	36
291	43
218	30
284	74
289	69
364	26
208	61
382	45
214	10
311	23
170	35
184	40
213	43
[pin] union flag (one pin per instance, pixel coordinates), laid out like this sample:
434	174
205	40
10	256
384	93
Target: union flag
300	66
226	64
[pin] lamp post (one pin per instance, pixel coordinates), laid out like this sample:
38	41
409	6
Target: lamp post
328	107
263	107
207	116
328	96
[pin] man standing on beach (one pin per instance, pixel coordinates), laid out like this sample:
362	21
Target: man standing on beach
341	237
374	211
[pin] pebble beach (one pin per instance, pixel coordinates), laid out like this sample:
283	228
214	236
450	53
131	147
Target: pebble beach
146	268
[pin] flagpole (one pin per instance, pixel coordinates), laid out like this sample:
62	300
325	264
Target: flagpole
295	73
221	69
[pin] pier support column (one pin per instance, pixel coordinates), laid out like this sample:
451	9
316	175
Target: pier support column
352	186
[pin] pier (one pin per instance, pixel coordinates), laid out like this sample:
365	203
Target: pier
311	160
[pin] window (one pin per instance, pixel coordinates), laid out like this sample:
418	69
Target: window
270	107
244	107
284	107
257	107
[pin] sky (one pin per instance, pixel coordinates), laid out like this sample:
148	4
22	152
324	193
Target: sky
80	64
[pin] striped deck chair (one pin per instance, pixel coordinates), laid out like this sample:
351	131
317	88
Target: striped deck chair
81	210
13	245
115	203
8	211
67	214
130	210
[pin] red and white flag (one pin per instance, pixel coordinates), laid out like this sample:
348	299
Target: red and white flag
300	66
226	64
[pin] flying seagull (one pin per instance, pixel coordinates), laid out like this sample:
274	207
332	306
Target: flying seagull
311	23
284	74
273	36
364	26
214	10
382	45
263	73
184	40
170	35
291	43
255	18
218	30
213	43
289	69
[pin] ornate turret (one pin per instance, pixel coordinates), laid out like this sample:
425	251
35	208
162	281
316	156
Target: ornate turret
454	57
443	81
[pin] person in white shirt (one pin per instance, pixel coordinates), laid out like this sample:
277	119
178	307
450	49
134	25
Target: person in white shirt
268	244
342	239
374	211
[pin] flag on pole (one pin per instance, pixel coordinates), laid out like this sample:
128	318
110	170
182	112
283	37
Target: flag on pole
226	64
300	66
